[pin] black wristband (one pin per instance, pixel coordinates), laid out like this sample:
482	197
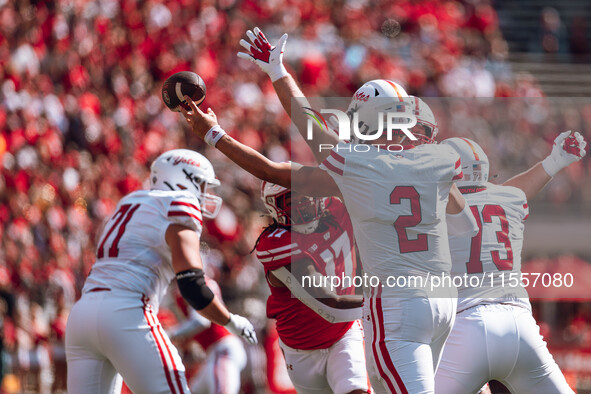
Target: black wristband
194	289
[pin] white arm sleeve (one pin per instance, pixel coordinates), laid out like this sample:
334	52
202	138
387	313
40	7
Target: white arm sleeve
332	315
194	324
462	223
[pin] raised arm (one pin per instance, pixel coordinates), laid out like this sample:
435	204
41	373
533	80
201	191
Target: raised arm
310	181
289	92
530	181
270	59
568	148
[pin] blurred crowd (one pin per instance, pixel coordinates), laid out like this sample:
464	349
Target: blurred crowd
81	118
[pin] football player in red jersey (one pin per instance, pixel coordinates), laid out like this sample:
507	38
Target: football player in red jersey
311	240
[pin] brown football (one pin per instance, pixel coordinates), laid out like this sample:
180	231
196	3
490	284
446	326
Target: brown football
180	84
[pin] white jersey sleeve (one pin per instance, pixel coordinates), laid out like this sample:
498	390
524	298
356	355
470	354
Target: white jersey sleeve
185	210
490	262
397	203
132	253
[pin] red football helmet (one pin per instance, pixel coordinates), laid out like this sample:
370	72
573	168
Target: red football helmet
289	208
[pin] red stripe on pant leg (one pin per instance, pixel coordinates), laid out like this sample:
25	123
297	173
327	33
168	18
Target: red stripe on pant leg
373	343
384	349
162	356
177	374
224	383
364	353
217	382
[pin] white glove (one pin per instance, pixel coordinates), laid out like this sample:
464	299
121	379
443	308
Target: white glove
261	53
568	147
239	325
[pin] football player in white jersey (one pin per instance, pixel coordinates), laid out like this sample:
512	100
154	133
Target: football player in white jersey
151	238
399	203
319	328
417	239
495	335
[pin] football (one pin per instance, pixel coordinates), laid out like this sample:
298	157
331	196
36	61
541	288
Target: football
180	84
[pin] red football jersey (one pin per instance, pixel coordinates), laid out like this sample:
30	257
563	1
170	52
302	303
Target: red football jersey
332	250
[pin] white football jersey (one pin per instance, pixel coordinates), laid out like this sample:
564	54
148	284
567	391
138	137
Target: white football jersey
132	253
490	262
397	203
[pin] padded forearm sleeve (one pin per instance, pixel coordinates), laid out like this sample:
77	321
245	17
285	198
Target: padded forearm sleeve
462	223
194	289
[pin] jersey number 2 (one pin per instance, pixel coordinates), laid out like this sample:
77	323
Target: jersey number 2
406	245
120	218
474	266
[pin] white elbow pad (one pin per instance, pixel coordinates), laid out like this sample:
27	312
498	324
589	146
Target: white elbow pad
332	315
462	223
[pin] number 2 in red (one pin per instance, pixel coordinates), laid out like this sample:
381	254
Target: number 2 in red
488	212
121	218
404	221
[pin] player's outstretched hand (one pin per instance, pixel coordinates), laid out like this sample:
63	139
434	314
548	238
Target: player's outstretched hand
260	52
239	325
200	122
568	147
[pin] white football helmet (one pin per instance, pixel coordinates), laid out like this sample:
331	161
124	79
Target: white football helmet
303	215
382	95
379	95
183	169
426	119
475	164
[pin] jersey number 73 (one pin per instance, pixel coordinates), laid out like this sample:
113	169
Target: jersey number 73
474	265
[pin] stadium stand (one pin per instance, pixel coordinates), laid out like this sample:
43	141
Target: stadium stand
81	118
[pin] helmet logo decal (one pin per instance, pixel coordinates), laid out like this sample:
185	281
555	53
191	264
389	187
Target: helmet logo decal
195	181
360	96
184	160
